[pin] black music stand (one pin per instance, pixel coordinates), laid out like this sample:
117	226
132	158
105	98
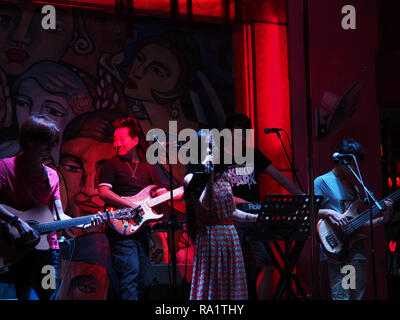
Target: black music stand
286	218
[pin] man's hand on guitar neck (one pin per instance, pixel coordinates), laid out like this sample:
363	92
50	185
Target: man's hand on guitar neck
158	192
28	235
96	223
387	212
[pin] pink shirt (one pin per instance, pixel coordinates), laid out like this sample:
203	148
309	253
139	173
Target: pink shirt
22	193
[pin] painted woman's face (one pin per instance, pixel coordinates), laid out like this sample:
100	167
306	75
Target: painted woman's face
80	162
31	97
154	67
23	41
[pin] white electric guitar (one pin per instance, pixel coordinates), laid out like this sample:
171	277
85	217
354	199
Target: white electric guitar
334	239
143	199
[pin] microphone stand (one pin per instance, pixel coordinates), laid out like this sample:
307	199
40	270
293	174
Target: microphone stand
290	162
369	197
171	223
288	245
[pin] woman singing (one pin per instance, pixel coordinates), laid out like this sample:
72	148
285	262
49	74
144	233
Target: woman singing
218	268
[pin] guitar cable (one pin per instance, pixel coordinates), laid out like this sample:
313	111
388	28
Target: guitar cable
71	249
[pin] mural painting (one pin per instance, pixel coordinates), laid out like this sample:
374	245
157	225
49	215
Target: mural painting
88	72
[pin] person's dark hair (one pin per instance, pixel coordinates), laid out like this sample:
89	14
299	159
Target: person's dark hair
38	128
351	146
130	123
239	120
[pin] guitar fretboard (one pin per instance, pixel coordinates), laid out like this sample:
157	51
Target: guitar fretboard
68	223
165	197
362	218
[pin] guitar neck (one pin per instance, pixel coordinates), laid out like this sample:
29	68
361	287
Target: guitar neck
165	197
362	218
68	223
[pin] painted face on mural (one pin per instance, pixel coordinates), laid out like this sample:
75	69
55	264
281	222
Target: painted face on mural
24	42
100	26
154	67
32	98
80	162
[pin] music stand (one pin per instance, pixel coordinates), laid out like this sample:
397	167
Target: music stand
286	218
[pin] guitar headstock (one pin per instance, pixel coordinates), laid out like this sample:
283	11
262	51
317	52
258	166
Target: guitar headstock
127	213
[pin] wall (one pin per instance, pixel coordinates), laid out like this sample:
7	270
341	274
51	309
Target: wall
337	59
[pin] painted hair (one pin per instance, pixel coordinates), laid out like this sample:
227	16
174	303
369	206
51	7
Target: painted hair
97	125
61	81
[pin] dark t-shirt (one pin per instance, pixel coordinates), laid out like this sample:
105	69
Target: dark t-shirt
245	178
118	175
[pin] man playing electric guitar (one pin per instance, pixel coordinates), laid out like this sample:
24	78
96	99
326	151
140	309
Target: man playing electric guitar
339	193
25	183
121	177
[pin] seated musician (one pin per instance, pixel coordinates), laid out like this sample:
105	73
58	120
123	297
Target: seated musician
245	186
26	183
339	192
122	176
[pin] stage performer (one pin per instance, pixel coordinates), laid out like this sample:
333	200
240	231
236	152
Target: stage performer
122	176
245	185
25	183
218	267
339	193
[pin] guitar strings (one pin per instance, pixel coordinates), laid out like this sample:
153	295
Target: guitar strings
359	220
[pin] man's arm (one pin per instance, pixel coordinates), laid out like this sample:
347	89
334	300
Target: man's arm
283	180
24	229
334	216
112	198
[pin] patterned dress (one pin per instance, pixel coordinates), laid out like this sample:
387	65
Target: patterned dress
218	268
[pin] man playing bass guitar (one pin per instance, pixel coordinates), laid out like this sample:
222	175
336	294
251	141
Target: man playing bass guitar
121	177
340	197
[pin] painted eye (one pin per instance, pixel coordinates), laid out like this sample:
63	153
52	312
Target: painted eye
6	20
72	168
54	109
139	58
158	72
23	102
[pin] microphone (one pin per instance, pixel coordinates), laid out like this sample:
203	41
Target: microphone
337	156
272	130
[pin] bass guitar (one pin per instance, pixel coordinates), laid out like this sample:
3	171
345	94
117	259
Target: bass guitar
127	227
12	248
338	240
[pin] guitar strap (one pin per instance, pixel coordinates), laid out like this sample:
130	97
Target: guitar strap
52	194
